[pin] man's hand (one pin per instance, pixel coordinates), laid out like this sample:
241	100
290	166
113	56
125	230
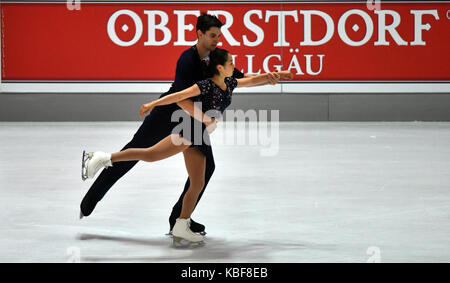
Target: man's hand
274	77
211	125
146	108
286	75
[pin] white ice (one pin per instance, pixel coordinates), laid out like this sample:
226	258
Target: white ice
334	192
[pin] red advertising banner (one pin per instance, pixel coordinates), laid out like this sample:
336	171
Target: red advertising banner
402	41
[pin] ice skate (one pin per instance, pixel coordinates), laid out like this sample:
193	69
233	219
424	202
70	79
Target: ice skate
92	162
194	226
182	234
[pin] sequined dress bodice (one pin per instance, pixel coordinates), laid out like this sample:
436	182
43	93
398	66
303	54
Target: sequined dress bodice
213	97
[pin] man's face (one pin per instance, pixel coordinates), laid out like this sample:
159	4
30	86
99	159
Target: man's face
210	39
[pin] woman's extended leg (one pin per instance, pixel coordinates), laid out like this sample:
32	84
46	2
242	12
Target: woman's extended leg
167	147
195	164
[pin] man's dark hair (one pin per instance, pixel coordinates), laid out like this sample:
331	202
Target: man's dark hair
205	22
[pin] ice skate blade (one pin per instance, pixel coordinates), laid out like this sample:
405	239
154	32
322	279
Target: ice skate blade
203	233
85	157
183	243
83	166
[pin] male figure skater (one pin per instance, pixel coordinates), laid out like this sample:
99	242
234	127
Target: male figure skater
190	69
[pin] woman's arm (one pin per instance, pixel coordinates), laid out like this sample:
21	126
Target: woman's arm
171	98
274	77
262	79
178	96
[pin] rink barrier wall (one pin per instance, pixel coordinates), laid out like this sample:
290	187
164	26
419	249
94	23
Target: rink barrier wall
292	107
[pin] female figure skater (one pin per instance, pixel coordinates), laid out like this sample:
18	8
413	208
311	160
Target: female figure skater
215	95
158	123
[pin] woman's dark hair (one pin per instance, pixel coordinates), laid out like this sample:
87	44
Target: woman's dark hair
217	57
205	22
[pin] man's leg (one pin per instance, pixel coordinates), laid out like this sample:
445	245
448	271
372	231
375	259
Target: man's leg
149	133
107	178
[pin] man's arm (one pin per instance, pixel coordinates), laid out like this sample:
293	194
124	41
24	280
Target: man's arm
193	110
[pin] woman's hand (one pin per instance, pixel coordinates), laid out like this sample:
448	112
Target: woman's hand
211	125
273	77
146	108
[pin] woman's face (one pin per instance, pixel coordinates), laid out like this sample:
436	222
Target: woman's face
229	67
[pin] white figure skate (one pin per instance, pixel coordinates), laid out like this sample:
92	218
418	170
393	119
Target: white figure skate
92	162
182	234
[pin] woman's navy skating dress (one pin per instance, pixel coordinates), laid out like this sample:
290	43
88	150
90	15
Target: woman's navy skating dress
214	101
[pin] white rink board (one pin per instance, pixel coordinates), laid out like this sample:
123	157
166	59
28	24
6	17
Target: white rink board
308	87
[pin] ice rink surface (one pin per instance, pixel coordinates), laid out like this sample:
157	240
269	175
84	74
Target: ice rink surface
326	192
